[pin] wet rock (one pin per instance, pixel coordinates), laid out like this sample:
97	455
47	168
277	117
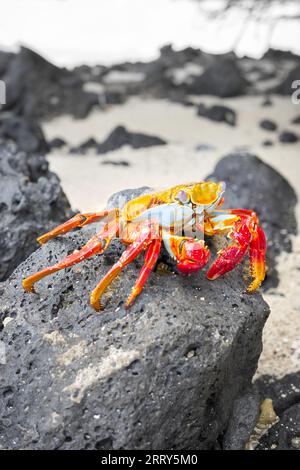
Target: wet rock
36	88
288	137
57	143
268	125
223	78
218	113
31	201
121	136
26	133
252	184
242	421
162	375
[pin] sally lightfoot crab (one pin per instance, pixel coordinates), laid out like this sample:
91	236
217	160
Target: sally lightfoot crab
178	217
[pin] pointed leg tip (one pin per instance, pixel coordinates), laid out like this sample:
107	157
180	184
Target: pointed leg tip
28	287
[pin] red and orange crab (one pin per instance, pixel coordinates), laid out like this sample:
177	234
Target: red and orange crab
179	218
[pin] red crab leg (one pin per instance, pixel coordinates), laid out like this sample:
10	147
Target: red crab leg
79	220
97	244
127	257
151	256
233	254
258	248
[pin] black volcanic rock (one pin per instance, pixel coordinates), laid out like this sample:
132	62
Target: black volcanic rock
26	133
268	125
36	88
252	184
285	87
121	136
296	120
288	137
218	113
162	375
223	78
285	394
31	202
56	143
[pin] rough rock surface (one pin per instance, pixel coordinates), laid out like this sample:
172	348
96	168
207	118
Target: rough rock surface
121	136
242	421
285	394
218	113
31	201
252	184
162	375
26	133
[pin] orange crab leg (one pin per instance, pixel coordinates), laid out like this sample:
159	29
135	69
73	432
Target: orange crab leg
233	254
140	244
151	256
97	244
258	247
79	220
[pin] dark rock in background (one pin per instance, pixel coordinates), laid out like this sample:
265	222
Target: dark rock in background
252	184
36	88
121	136
85	146
285	87
26	133
217	113
223	78
31	201
268	125
115	162
162	375
268	143
56	143
296	120
288	137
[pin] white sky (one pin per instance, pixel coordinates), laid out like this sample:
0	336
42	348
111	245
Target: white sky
70	32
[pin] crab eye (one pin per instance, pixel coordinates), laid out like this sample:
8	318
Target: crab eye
183	197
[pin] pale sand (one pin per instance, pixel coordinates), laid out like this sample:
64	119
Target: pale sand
88	184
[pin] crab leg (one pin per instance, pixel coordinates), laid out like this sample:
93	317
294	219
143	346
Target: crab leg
258	248
245	233
233	254
79	220
127	257
151	256
97	244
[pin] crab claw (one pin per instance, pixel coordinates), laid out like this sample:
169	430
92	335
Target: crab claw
194	256
258	248
233	254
